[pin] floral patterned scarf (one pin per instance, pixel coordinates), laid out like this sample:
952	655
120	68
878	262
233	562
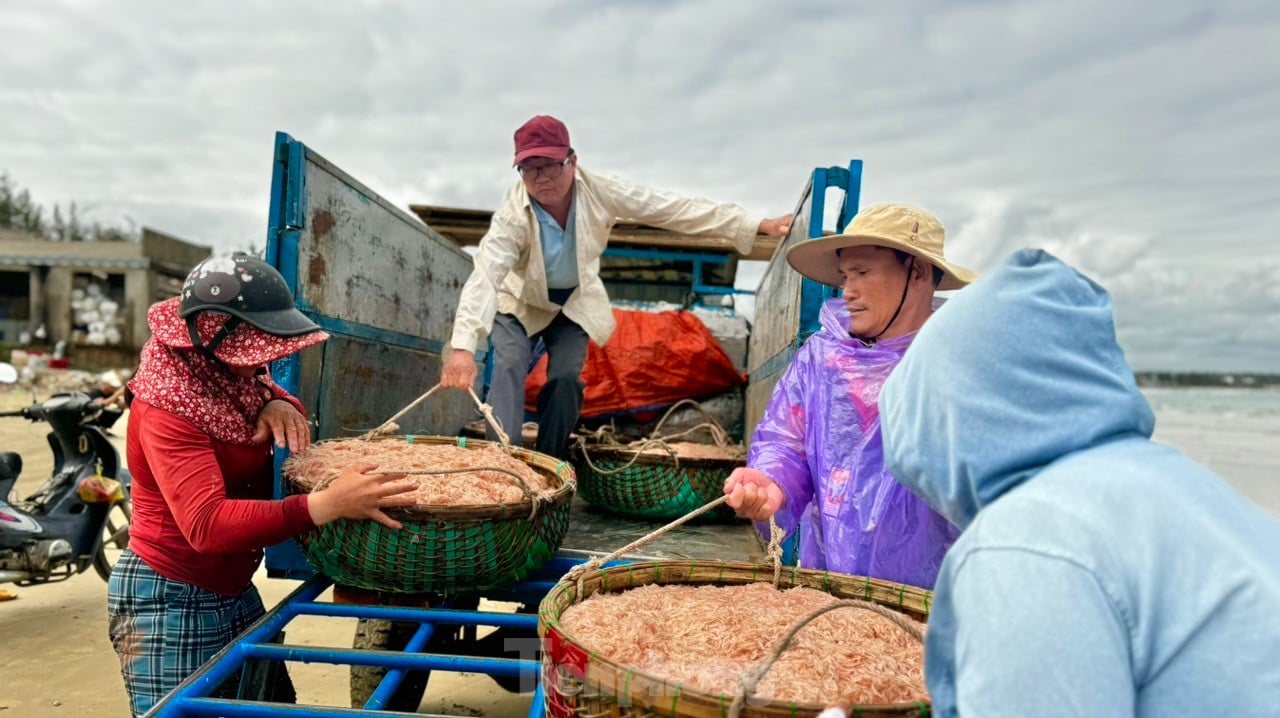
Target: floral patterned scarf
188	384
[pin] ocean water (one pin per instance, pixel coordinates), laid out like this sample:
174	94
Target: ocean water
1234	432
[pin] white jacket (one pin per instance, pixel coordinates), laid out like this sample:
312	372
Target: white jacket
510	275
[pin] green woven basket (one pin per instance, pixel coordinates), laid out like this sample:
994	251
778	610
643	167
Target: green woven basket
579	683
446	549
651	486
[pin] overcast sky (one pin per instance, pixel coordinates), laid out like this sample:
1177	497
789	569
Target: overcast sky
1139	141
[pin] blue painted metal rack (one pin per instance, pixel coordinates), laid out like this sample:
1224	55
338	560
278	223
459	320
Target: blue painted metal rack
191	697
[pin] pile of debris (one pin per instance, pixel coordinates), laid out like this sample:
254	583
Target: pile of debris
96	316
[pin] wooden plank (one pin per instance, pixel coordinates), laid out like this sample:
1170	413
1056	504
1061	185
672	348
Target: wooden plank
467	226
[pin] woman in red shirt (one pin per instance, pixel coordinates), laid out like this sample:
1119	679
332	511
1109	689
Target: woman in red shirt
204	420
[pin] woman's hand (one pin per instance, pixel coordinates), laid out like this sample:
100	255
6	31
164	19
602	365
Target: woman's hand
752	494
358	494
281	420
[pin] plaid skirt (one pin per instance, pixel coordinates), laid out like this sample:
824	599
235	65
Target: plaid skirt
163	630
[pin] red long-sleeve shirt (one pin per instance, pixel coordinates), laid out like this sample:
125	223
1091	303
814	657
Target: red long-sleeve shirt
202	508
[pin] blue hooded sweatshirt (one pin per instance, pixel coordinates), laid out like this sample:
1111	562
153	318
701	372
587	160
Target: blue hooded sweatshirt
1098	573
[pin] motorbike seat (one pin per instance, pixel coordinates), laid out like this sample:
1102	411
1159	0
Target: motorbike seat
10	466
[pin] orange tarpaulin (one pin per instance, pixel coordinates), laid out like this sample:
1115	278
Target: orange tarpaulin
652	360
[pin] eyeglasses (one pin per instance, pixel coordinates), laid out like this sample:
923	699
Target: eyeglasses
550	171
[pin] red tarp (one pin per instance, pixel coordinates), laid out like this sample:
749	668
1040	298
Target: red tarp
652	360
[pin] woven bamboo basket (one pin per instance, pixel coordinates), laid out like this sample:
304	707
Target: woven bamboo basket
446	549
578	683
649	485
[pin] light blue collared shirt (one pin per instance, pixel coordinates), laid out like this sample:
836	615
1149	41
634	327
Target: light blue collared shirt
559	247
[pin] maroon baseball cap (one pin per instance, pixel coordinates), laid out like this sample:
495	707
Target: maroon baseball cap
542	136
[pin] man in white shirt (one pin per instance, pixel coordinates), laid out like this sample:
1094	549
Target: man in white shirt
537	275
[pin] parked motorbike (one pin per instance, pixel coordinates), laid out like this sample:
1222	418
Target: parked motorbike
80	516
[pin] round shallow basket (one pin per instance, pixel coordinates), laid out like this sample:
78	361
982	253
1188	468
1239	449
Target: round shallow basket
652	485
579	683
446	549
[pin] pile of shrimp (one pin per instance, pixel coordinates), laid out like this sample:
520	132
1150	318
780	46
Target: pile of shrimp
325	461
706	637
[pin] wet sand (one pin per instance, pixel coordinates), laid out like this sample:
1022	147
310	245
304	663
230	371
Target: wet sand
1233	432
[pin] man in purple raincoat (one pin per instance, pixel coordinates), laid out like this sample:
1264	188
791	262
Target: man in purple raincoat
816	463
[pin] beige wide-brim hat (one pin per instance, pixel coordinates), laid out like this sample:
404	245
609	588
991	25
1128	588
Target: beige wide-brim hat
896	226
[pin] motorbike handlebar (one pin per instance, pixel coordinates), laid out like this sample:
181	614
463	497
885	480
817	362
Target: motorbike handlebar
16	412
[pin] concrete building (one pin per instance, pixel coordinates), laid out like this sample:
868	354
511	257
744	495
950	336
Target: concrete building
88	293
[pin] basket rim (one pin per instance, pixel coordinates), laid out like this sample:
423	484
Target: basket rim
726	573
545	464
622	453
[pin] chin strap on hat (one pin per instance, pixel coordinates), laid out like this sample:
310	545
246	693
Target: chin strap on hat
223	332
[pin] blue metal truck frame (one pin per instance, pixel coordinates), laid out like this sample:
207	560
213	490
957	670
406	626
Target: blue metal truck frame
770	351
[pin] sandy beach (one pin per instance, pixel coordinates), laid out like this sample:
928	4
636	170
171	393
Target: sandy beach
57	661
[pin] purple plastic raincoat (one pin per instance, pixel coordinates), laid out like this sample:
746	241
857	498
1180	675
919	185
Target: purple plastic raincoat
819	440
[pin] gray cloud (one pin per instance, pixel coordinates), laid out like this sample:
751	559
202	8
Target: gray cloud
1137	142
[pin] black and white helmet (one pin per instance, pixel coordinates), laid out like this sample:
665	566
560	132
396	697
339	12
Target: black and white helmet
246	288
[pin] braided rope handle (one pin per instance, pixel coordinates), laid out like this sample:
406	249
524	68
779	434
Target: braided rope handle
604	434
487	412
774	550
578	573
389	426
747	684
718	434
582	445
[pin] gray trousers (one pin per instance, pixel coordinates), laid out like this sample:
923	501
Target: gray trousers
560	400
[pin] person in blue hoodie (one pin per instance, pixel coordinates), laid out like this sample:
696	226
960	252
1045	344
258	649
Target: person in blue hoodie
815	463
1098	573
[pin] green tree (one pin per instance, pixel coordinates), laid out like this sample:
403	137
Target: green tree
75	232
17	210
58	229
